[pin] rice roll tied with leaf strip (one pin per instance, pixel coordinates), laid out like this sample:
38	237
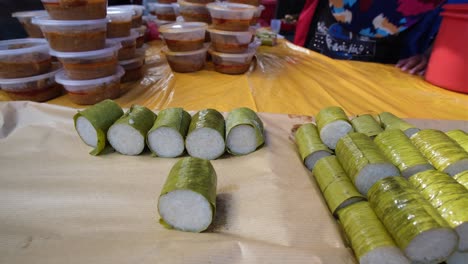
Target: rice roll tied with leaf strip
167	136
92	123
128	134
390	121
363	161
205	138
367	125
332	124
397	147
336	187
441	151
449	198
462	178
244	131
188	197
460	137
311	147
417	228
369	239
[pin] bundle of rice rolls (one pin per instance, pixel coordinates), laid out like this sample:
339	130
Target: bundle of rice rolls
397	147
205	138
332	124
128	134
244	131
391	121
167	136
311	147
367	125
449	198
460	137
363	161
188	198
92	123
462	178
441	151
337	188
369	239
420	232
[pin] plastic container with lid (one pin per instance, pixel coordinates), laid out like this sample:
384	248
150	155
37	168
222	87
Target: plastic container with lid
230	63
231	16
37	88
24	57
127	51
188	61
141	36
193	12
76	9
184	36
247	2
25	19
230	41
167	1
137	17
119	22
200	1
73	35
133	68
86	92
257	15
162	11
90	64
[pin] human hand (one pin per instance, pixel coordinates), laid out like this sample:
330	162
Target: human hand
414	65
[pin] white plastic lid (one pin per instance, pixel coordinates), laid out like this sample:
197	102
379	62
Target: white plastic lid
185	3
137	8
230	33
32	45
32	13
159	5
30	78
119	14
231	7
109	49
166	50
183	27
62	78
47	21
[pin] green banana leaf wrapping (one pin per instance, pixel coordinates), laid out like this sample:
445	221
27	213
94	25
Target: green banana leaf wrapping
138	117
462	178
460	137
210	118
367	125
308	141
391	121
245	116
328	115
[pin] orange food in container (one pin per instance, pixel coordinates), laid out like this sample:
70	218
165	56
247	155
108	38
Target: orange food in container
25	19
184	36
257	15
187	61
162	11
75	9
200	1
192	12
137	16
247	2
133	68
230	63
127	51
231	16
119	22
230	41
141	36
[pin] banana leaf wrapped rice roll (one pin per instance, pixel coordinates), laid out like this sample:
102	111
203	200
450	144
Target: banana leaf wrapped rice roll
332	124
311	147
460	136
462	178
390	121
367	125
244	131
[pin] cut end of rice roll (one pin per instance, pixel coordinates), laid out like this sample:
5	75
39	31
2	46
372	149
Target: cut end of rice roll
411	131
432	246
86	131
384	255
332	132
166	142
372	173
462	231
312	159
205	143
416	169
242	139
457	167
186	210
458	258
126	139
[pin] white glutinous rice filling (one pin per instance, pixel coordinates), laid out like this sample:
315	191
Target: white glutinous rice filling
125	139
384	255
457	167
314	157
432	246
86	131
458	257
416	169
332	132
205	143
185	210
411	131
242	139
166	142
372	173
462	231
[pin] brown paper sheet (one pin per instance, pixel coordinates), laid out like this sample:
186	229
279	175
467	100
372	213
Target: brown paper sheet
61	205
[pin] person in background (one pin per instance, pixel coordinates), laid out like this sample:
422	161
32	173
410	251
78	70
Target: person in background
400	32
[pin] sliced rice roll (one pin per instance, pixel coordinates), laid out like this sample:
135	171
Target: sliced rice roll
460	137
244	131
205	138
188	198
332	124
167	136
128	134
92	123
367	125
362	160
311	147
390	121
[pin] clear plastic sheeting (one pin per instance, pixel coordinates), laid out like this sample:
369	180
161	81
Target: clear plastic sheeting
290	79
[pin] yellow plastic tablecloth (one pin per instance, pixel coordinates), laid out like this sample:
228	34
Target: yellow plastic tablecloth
290	79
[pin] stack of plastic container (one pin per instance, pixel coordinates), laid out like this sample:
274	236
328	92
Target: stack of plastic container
166	11
25	18
195	10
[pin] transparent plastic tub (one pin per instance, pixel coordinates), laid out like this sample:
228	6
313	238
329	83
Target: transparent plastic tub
137	17
230	63
37	88
73	35
133	68
90	64
230	41
231	16
119	22
188	61
257	15
86	92
247	2
76	9
141	36
25	19
24	57
167	1
127	51
193	12
184	36
162	11
200	1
